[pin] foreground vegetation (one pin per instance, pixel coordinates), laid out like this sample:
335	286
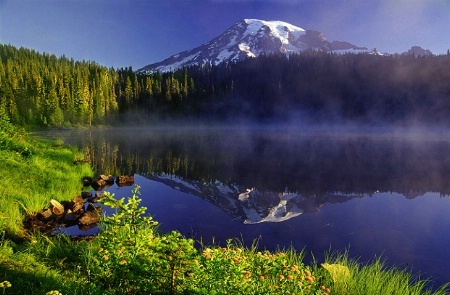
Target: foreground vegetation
131	256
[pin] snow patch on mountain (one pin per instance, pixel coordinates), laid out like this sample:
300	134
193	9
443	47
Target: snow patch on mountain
278	29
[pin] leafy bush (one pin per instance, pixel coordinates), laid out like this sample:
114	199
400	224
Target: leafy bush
133	258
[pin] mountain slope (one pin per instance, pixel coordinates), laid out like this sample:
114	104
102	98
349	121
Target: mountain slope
250	38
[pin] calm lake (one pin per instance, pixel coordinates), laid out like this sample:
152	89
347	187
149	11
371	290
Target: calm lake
373	192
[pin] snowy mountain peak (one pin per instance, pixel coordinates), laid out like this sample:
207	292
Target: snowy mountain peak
278	29
250	38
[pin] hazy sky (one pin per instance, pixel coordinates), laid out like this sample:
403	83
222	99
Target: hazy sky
121	33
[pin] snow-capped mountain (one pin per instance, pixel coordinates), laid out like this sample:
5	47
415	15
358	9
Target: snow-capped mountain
250	38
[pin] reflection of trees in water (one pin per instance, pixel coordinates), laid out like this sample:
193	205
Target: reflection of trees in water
308	165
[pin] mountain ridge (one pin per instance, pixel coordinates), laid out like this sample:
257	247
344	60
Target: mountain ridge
250	38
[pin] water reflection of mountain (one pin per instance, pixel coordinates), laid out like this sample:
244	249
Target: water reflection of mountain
251	205
310	164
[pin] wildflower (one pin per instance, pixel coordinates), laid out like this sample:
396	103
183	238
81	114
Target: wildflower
123	262
281	277
207	253
53	292
261	278
307	272
309	279
105	257
5	284
290	278
100	250
247	273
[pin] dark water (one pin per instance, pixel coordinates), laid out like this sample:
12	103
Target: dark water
372	192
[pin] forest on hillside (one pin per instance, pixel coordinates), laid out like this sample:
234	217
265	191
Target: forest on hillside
40	89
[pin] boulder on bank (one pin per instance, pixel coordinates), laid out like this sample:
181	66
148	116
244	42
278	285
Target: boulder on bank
102	181
57	208
76	205
125	180
67	213
96	197
86	195
45	214
88	218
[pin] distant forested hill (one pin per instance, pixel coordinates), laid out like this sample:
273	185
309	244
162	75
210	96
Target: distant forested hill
42	89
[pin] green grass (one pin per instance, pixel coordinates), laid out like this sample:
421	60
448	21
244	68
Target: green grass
32	172
377	278
130	256
30	274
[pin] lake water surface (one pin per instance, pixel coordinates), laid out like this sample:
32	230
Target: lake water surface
372	192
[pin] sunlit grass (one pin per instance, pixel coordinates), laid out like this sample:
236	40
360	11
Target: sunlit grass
30	180
377	278
30	272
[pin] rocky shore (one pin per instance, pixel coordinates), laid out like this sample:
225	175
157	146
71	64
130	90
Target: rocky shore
82	211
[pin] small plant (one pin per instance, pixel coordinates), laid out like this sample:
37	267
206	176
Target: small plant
133	257
4	285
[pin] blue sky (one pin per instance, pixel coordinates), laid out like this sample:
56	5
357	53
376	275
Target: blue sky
119	33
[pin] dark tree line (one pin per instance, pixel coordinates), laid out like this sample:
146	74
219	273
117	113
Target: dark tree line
322	86
42	89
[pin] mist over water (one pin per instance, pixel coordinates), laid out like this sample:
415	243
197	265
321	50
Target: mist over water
374	190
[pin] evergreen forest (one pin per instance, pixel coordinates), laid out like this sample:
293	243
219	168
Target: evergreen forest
40	89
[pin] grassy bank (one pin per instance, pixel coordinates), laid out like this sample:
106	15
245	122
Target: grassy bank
130	256
32	173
